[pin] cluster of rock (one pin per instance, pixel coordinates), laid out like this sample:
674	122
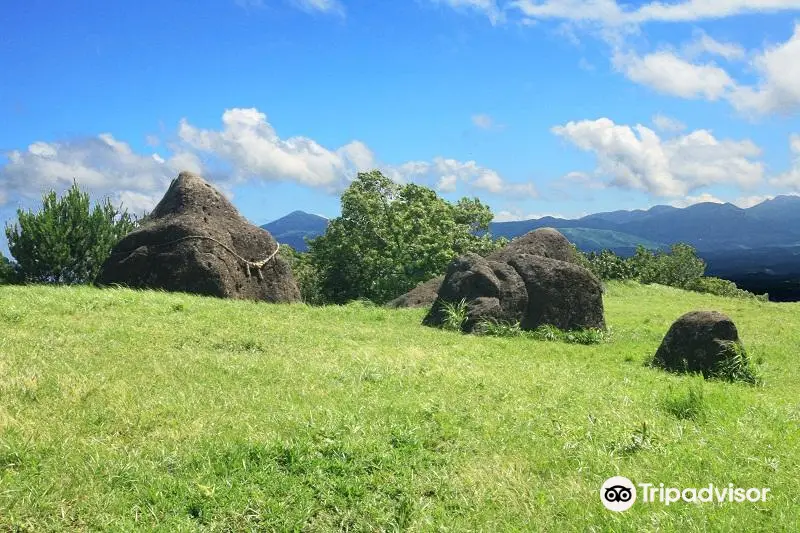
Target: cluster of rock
196	241
533	281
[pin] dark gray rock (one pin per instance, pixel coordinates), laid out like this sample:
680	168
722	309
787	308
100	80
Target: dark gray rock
561	294
196	241
699	341
423	295
545	242
492	291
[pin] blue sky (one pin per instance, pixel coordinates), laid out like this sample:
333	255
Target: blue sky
537	107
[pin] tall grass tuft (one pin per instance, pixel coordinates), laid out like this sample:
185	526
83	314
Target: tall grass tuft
455	314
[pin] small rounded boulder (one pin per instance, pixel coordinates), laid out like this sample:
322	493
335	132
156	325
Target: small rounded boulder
699	342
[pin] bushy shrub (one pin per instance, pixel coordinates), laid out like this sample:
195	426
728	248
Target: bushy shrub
66	241
9	271
678	268
305	274
681	268
723	287
607	265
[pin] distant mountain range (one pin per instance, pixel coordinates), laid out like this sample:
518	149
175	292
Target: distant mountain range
296	227
758	247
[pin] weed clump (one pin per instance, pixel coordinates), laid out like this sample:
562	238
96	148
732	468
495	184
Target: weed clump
545	332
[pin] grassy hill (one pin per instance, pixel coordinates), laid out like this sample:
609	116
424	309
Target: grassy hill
127	410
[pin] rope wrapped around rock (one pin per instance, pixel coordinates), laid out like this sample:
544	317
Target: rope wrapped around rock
258	265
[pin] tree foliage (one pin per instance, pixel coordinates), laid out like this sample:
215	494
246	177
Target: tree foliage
9	272
305	274
67	241
390	237
679	268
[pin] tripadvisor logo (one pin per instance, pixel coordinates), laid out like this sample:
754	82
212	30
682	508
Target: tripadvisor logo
619	494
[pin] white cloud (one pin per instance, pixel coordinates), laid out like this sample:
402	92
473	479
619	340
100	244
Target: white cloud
309	6
779	88
249	149
484	122
581	180
102	165
637	158
702	198
667	124
447	183
322	6
669	74
749	201
516	215
704	44
791	179
447	173
487	7
609	12
254	150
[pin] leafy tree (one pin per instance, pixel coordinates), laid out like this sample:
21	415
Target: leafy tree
8	271
679	268
390	237
67	241
607	265
305	274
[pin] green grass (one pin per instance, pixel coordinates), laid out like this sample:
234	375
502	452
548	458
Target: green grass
124	410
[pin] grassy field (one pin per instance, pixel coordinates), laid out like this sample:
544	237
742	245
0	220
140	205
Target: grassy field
124	410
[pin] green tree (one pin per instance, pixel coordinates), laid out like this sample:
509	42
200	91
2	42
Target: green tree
8	271
67	241
390	237
679	268
305	274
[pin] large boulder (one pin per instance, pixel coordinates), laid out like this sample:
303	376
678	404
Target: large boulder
521	284
423	295
196	241
560	294
492	291
544	242
699	341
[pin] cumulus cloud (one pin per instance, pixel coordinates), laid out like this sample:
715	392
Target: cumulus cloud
699	199
776	91
609	12
245	148
448	173
791	179
687	72
253	149
102	165
779	88
668	124
637	158
666	71
669	74
516	215
706	45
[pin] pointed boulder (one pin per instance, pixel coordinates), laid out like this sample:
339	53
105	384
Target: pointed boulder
196	241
